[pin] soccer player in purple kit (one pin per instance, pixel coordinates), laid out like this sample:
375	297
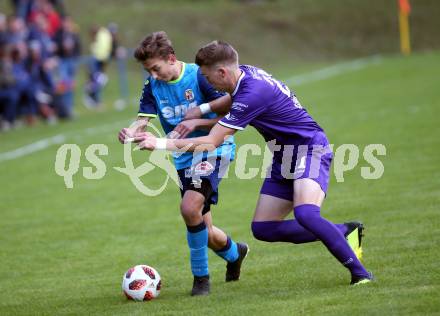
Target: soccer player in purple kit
298	143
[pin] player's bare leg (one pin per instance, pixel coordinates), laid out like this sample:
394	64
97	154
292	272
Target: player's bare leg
191	209
217	239
271	208
307	191
307	200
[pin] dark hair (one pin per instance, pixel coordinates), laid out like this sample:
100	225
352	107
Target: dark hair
156	44
216	52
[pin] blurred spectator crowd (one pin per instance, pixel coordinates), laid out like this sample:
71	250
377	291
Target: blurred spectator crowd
39	52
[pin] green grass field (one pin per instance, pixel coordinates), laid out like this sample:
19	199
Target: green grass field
63	251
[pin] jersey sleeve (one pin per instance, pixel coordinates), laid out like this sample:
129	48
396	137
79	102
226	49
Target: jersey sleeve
147	103
245	108
207	90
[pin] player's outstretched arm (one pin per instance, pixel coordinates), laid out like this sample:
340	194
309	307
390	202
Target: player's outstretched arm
220	106
138	126
185	127
209	142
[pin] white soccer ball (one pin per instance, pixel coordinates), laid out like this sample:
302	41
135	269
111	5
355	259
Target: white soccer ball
141	283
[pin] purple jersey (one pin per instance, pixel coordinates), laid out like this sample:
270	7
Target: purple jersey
268	105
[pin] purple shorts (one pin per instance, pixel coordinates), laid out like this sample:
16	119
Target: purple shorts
311	161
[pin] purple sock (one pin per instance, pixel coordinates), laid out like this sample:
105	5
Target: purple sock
308	215
286	231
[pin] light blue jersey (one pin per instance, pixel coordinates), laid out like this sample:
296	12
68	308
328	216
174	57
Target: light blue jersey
171	100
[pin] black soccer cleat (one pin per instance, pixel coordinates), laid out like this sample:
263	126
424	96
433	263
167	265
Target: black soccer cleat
354	235
362	280
233	268
351	226
201	286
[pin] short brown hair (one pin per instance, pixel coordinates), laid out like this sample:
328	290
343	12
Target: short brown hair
216	52
156	44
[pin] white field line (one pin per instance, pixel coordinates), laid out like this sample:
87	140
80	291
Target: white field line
316	75
332	71
33	147
57	140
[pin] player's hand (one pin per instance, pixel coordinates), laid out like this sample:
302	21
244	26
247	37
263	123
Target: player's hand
183	129
145	140
125	134
193	113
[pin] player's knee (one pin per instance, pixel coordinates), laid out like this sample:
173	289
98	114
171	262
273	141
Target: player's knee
305	213
190	209
261	231
211	237
300	215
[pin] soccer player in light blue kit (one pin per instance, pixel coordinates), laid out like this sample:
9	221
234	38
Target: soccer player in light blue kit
299	173
172	88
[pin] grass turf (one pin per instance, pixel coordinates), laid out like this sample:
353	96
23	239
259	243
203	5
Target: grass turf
63	251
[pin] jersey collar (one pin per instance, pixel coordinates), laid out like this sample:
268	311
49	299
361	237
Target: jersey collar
181	74
238	82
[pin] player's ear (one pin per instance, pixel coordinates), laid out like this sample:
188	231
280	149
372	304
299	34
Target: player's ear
222	71
172	59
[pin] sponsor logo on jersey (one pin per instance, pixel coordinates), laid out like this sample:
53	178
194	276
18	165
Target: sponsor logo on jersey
203	168
239	106
169	112
189	95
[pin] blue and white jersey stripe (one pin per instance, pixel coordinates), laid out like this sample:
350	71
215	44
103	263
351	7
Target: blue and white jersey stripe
171	100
